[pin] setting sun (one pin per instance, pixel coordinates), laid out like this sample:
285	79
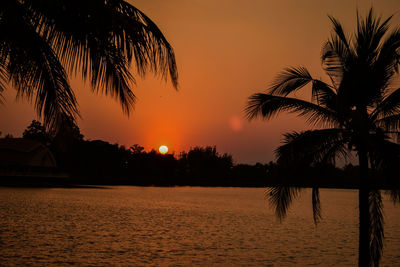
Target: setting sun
163	149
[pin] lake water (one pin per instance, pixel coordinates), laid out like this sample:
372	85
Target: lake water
182	226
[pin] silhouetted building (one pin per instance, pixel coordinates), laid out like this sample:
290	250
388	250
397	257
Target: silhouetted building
24	157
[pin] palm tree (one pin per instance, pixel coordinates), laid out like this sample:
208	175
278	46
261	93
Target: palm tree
359	106
42	41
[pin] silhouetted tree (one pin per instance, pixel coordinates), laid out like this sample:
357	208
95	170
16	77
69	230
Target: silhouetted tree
136	149
8	136
42	41
36	131
67	143
205	165
361	108
97	162
250	175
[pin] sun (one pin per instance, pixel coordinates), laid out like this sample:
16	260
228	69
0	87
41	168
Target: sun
163	149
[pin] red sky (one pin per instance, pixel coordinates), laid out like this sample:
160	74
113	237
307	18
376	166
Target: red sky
226	50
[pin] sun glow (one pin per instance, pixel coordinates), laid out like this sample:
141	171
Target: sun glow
163	149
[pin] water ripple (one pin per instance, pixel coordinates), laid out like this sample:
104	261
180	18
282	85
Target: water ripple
185	226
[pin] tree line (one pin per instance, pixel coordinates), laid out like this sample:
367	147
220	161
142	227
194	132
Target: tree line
98	162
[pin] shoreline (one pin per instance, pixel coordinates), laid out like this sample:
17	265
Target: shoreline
64	184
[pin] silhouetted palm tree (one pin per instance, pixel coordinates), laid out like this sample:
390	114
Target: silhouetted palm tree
43	40
362	110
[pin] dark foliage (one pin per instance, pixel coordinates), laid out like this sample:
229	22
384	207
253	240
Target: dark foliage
42	42
36	131
98	162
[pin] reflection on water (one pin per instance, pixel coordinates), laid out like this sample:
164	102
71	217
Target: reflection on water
180	227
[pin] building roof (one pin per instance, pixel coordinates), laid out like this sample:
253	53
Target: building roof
25	153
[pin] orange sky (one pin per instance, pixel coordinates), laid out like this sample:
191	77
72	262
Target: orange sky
226	50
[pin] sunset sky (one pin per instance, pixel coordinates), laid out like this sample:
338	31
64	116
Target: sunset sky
226	50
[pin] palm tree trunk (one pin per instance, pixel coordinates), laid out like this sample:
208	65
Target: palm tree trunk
364	257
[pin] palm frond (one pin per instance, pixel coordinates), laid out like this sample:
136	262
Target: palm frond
387	61
266	106
385	156
336	53
376	227
4	78
101	38
372	77
323	94
338	150
316	205
394	195
388	107
389	123
389	54
111	76
290	80
332	63
382	69
367	76
281	198
339	32
369	35
164	54
33	67
313	146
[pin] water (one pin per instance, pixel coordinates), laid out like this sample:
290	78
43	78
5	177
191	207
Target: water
183	226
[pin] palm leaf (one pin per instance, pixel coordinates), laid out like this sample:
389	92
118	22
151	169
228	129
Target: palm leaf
281	198
389	56
388	107
33	68
101	39
385	156
4	77
339	32
316	205
111	76
267	106
290	80
333	56
313	146
394	195
389	123
376	226
369	35
387	61
323	94
336	53
372	77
